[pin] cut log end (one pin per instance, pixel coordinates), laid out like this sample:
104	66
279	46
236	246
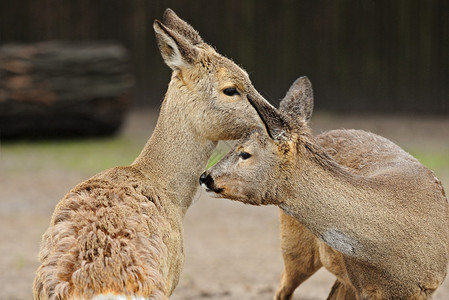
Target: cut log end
63	89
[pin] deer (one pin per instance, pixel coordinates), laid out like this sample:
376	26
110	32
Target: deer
119	235
350	200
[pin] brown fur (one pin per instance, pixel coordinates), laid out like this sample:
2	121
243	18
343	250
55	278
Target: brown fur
120	232
351	201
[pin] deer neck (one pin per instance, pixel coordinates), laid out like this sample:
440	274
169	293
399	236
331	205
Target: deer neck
331	202
175	155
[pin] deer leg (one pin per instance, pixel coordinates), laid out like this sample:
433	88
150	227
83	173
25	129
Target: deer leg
341	292
300	253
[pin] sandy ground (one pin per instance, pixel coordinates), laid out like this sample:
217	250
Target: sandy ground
232	250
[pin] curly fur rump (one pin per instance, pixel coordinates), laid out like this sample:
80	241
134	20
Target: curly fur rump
104	238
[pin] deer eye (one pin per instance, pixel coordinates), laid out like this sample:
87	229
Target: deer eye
230	91
244	155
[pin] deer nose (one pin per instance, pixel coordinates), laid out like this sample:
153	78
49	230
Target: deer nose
206	180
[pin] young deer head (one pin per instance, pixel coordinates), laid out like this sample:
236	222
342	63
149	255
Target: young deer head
250	172
208	88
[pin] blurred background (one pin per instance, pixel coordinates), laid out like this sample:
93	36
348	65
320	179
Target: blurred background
88	79
384	56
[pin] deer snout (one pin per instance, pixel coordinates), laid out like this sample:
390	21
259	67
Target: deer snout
208	183
206	180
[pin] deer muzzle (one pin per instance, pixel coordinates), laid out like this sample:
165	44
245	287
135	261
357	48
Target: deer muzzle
207	182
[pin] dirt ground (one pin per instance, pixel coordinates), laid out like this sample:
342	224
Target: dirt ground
232	250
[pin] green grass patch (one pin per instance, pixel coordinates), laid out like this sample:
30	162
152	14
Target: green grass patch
220	151
436	161
89	155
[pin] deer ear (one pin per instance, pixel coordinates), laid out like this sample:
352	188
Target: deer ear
176	50
298	102
275	123
175	23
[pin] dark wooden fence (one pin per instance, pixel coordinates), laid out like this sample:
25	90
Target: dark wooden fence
361	55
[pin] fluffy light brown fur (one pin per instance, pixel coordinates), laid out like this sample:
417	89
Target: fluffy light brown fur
120	232
112	233
351	201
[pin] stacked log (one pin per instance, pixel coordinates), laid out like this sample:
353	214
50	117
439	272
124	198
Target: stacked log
63	89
